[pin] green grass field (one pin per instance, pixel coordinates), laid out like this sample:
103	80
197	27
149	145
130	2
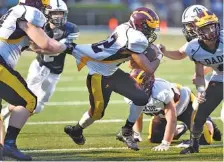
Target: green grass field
43	136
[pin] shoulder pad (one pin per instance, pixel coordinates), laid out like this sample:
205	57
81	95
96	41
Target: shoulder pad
34	16
162	90
70	28
137	42
190	48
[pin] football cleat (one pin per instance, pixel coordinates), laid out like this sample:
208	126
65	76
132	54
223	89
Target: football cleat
181	129
75	134
193	148
189	150
10	150
184	144
137	137
126	135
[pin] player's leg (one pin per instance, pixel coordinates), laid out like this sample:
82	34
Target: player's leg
204	110
99	95
127	87
138	128
19	95
156	129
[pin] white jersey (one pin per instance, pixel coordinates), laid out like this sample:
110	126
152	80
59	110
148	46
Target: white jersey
12	39
162	93
197	53
105	57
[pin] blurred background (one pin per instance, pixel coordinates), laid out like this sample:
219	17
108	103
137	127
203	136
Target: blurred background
101	13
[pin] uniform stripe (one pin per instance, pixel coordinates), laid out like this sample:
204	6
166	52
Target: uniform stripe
12	41
96	88
14	82
150	128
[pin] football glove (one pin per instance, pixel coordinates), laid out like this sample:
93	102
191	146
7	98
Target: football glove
164	146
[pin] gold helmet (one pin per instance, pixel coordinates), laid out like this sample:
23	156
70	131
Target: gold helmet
144	81
35	3
207	25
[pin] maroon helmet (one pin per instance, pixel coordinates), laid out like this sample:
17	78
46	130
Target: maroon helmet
145	20
35	3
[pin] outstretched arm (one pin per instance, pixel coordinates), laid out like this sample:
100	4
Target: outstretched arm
41	39
175	55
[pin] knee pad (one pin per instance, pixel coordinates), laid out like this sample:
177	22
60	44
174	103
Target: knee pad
141	100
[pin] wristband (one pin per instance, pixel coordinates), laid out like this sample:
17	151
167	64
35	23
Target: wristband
201	89
165	142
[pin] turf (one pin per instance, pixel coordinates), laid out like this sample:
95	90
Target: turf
101	144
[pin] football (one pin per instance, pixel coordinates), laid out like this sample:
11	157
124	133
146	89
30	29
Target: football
150	53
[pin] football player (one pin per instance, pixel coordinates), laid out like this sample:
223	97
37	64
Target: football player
45	71
20	25
128	40
206	50
161	92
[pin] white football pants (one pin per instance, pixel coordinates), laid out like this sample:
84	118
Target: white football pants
42	83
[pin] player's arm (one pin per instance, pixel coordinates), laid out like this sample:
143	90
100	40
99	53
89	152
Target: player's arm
174	55
41	39
171	118
145	64
200	82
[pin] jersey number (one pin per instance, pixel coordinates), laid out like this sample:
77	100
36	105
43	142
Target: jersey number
48	58
97	47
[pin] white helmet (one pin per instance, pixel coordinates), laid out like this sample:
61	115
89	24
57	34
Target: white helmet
57	6
188	18
191	12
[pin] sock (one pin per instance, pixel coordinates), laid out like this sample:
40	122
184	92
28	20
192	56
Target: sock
86	120
11	135
129	124
135	112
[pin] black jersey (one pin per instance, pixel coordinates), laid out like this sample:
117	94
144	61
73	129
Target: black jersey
56	63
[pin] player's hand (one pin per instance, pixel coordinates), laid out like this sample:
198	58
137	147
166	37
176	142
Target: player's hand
201	97
161	47
201	94
164	146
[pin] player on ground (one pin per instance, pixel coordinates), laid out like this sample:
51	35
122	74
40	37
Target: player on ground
45	71
182	98
20	25
206	50
129	40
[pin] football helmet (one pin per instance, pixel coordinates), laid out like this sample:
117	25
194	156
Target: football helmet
39	4
52	12
146	21
188	17
207	26
144	81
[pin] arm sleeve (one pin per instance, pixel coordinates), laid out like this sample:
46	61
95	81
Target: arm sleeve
137	42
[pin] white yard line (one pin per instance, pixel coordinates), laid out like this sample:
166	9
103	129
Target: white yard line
98	121
78	103
102	148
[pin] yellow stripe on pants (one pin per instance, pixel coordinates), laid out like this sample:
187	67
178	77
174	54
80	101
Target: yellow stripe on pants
12	81
98	96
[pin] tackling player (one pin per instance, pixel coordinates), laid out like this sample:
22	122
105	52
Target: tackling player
45	71
129	40
20	25
206	50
